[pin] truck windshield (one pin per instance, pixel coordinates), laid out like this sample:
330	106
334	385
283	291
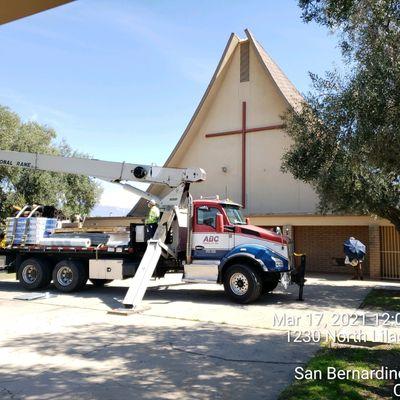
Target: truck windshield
234	215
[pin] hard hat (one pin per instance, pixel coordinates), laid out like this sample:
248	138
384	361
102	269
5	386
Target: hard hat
152	202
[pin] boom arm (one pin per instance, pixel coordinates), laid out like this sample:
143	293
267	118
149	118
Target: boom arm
110	171
106	170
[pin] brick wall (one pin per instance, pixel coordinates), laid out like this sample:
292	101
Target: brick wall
323	243
374	252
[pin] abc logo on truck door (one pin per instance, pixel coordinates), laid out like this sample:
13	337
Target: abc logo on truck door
211	239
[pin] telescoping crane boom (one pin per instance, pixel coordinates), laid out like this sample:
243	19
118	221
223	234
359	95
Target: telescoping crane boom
110	171
178	179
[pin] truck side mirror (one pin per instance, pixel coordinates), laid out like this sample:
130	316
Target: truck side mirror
247	221
219	223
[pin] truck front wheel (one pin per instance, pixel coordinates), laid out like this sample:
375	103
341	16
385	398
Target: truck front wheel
269	286
69	275
34	273
270	281
242	284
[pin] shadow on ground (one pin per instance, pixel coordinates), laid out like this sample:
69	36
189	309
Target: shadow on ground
137	362
148	357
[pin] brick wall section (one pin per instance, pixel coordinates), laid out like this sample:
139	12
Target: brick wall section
374	252
323	243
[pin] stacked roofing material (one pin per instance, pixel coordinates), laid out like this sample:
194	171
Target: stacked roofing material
29	230
43	231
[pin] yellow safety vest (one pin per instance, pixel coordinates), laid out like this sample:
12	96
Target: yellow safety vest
154	215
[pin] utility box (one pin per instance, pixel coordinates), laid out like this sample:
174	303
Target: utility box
106	269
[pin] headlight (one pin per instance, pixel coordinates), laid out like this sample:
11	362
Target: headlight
278	262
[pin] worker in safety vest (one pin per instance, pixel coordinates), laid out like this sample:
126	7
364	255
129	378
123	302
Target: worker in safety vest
154	213
152	218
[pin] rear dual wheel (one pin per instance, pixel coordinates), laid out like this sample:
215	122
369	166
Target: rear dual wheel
34	274
70	275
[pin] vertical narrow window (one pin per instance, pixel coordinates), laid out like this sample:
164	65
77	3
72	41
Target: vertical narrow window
244	62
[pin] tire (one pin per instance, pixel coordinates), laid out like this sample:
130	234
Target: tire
269	286
34	273
70	275
100	282
242	284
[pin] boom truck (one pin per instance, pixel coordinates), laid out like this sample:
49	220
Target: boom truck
208	240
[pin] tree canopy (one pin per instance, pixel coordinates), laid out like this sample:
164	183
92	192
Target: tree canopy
73	194
346	136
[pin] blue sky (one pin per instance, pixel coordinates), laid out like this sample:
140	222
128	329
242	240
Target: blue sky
120	79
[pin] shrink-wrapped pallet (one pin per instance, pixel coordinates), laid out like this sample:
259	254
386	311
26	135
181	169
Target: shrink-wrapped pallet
28	230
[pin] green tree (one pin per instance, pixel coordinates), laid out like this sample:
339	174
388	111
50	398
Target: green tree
71	193
346	135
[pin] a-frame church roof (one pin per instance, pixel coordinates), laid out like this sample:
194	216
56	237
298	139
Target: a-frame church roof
286	88
284	85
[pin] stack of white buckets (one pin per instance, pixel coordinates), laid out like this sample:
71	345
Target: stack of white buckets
29	230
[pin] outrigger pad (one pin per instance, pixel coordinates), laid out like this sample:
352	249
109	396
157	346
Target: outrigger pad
34	296
128	311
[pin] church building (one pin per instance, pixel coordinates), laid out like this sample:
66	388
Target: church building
236	135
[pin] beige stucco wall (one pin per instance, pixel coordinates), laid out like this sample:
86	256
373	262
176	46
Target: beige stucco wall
317	220
268	189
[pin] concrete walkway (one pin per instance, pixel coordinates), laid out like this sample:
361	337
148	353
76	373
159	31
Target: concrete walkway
192	344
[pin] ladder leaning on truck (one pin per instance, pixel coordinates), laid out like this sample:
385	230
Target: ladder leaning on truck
208	240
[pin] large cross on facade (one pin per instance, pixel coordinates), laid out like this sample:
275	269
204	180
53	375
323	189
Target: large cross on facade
243	132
